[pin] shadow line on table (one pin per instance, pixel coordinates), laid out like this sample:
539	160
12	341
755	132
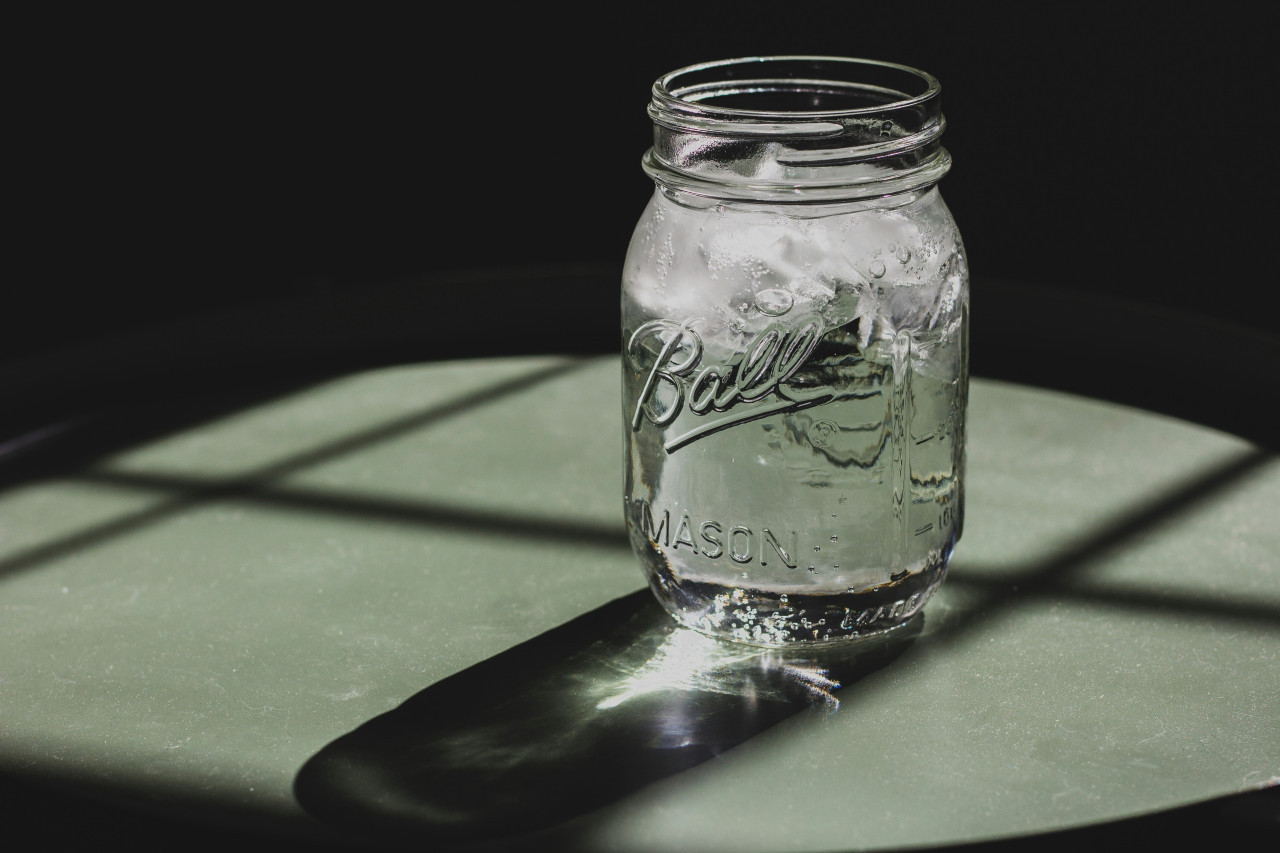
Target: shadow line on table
1059	574
1052	577
200	491
1049	576
491	522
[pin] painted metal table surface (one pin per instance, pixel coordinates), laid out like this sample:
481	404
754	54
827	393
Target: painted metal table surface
400	605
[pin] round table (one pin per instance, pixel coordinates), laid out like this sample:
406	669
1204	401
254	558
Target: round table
398	605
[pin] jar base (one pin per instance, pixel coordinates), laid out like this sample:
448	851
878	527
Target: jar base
775	619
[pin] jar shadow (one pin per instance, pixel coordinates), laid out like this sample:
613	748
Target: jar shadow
569	722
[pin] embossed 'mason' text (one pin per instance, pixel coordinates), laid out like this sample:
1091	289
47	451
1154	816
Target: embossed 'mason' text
738	389
714	539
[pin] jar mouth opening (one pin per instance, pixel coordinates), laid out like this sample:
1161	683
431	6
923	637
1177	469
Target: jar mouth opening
797	128
795	88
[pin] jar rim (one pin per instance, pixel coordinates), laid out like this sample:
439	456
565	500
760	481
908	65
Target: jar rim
796	129
694	96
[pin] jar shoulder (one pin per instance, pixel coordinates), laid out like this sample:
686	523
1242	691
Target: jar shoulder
678	241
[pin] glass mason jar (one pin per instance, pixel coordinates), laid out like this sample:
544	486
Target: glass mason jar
795	350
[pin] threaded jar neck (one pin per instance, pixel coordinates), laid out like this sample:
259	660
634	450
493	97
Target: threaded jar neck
796	129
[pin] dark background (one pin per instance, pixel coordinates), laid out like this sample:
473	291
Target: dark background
175	164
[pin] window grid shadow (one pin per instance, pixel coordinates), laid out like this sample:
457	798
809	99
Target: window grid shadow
206	491
1047	576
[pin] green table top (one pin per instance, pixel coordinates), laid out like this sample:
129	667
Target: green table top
256	619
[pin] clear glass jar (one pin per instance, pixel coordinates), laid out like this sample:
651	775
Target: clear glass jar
795	335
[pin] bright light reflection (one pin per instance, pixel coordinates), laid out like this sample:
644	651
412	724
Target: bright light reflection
816	684
690	662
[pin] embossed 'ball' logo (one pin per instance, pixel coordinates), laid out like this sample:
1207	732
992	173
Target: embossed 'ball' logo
821	433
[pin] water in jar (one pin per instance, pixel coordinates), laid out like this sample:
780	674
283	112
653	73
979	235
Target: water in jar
794	396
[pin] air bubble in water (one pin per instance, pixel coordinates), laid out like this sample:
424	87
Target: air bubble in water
903	254
773	302
877	268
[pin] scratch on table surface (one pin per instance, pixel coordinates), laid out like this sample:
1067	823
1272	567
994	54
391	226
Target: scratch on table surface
1067	791
1249	780
264	710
